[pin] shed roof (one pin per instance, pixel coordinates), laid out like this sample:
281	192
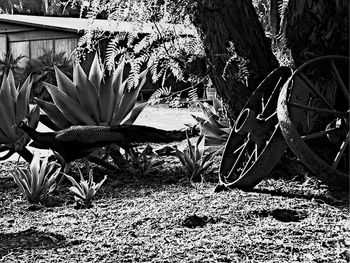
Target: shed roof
78	25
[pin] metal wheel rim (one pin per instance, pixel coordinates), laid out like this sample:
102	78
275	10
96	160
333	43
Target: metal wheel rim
269	155
297	142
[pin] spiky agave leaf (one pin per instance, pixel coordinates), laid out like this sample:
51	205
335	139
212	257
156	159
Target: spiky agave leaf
71	109
87	94
7	109
53	112
22	102
65	85
128	101
111	93
96	73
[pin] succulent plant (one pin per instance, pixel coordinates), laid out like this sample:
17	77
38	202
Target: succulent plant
215	126
92	99
14	107
194	159
85	190
39	180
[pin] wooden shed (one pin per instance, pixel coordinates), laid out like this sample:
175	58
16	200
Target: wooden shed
31	35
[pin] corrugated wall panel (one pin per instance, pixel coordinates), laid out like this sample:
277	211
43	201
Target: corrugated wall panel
65	45
20	48
37	47
3	45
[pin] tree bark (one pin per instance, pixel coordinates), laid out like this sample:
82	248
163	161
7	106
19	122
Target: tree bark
317	28
221	22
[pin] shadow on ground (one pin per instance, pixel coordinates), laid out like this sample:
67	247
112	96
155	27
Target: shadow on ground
31	238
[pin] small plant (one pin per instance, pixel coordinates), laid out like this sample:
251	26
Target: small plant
194	159
85	191
39	180
215	127
140	163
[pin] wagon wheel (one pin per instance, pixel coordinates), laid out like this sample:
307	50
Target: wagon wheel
255	144
313	112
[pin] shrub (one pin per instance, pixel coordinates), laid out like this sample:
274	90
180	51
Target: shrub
42	70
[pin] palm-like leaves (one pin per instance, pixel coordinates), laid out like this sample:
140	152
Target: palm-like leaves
14	107
8	62
194	159
92	100
85	190
38	180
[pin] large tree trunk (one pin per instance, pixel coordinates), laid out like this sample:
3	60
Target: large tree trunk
220	23
316	28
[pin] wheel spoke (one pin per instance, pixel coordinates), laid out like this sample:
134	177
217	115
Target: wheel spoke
341	151
340	81
249	161
271	116
243	150
317	134
311	87
240	147
270	98
262	104
334	112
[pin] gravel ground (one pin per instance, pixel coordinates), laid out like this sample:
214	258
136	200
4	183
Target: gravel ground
164	218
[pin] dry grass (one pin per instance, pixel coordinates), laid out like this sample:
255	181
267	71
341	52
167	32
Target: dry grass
164	218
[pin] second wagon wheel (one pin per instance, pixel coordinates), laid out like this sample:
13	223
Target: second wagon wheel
255	144
313	112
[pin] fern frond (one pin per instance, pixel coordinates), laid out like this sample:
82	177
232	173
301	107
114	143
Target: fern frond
159	93
115	49
135	69
193	94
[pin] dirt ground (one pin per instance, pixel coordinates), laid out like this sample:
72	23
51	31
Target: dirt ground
163	117
162	217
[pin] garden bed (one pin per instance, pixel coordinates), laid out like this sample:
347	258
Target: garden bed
165	218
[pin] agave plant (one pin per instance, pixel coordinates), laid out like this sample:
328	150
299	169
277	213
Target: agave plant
39	180
92	100
14	107
194	159
140	163
215	127
85	190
